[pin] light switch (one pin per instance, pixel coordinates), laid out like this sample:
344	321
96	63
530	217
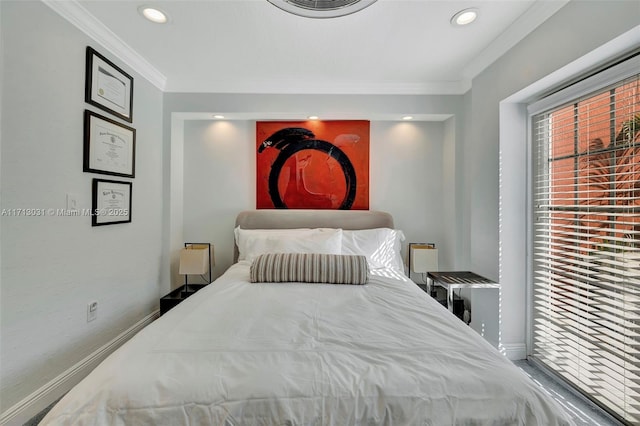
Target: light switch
72	201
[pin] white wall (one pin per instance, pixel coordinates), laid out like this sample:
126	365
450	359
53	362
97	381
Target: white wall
452	253
1	126
52	266
219	181
406	167
575	30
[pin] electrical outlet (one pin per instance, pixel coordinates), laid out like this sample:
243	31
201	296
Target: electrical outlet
92	311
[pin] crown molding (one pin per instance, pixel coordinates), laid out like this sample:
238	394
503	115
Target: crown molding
538	13
288	87
297	116
80	17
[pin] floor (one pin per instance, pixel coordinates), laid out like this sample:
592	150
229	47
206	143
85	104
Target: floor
584	413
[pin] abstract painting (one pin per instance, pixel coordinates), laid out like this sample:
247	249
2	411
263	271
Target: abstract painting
312	164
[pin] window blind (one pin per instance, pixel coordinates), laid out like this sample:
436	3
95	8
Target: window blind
586	244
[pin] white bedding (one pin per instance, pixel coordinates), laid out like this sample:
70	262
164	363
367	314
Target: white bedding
237	353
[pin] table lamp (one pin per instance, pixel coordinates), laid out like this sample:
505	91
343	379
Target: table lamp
195	259
423	257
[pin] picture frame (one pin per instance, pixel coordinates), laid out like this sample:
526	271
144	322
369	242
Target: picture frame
107	86
324	164
109	146
110	202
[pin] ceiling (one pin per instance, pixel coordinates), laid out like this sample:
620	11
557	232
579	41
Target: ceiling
251	46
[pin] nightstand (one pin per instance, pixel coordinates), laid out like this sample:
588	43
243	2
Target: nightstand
451	281
484	300
178	295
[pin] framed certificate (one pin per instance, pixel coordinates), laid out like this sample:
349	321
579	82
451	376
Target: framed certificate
109	147
108	87
111	202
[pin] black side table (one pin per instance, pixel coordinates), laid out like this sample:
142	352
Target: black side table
459	279
178	295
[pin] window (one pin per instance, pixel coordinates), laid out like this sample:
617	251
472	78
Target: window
586	244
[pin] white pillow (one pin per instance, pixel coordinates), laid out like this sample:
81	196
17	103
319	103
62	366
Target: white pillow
254	242
381	246
241	236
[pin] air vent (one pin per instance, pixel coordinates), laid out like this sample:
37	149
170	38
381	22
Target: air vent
323	4
321	8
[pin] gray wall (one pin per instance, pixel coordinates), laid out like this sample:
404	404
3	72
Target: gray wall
52	266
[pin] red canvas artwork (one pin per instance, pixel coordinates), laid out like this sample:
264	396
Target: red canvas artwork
312	164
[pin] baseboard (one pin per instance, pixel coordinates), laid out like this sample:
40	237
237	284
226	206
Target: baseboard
24	410
514	351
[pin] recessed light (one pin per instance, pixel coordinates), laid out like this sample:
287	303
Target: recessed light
464	17
407	117
153	14
312	117
218	116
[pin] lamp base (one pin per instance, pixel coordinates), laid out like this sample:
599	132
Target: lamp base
188	290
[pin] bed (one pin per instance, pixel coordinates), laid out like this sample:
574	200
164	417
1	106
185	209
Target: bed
304	353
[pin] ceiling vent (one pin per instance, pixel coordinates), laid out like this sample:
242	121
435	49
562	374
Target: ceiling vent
321	8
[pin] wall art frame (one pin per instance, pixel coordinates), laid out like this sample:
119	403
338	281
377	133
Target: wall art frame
109	146
110	202
107	86
315	164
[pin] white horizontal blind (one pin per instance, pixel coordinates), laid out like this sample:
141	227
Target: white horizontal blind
586	245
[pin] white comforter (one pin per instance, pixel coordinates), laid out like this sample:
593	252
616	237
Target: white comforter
237	353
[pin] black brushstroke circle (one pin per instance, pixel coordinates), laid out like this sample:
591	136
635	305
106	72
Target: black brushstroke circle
319	145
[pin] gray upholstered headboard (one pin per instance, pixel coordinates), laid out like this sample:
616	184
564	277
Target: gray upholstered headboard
289	219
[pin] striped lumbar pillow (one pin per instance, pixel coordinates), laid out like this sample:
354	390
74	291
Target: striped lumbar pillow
309	268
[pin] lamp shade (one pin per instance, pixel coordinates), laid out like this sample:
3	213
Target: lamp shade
424	258
194	260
